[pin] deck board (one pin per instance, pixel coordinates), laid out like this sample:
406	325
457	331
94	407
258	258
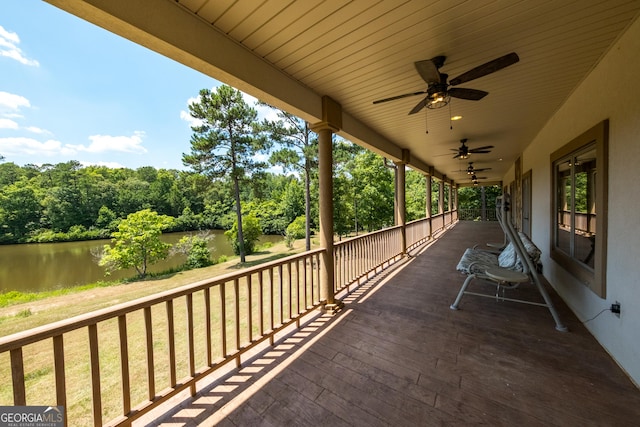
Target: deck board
397	355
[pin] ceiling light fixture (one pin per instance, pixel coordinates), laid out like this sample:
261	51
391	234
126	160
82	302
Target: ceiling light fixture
438	100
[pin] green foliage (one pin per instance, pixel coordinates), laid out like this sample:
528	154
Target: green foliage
137	242
196	249
107	219
295	230
19	211
76	232
415	195
373	187
251	234
297	227
225	143
17	297
269	214
24	313
471	197
435	197
298	151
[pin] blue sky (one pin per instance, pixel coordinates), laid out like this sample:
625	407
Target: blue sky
70	90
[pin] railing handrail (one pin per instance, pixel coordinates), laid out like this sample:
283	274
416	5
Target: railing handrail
365	235
20	339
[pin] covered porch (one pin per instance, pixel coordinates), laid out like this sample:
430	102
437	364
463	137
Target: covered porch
397	355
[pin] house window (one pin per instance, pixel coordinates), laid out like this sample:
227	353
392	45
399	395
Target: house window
579	207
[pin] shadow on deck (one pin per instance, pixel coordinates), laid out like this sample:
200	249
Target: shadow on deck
397	355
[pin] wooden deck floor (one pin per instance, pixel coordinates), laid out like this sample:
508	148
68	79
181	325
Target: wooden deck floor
397	355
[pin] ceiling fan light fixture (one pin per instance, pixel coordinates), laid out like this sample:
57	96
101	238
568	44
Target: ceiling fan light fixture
438	100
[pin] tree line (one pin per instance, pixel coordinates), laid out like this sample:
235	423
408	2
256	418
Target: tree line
223	183
68	201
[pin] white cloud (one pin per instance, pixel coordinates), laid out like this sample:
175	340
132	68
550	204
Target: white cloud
9	48
22	146
191	121
34	129
12	102
106	143
8	124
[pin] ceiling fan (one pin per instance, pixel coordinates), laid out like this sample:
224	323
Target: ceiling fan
474	179
464	151
439	91
471	170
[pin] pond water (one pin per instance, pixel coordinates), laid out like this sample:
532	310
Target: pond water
38	267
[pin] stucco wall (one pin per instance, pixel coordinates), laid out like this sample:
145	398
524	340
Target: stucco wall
611	91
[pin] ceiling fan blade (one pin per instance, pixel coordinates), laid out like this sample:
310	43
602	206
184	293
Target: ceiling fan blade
471	94
393	98
482	169
457	155
486	147
486	68
419	106
479	151
428	69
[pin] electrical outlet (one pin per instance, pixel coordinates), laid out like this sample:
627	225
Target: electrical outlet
615	308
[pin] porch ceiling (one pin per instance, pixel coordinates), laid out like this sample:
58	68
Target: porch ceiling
290	53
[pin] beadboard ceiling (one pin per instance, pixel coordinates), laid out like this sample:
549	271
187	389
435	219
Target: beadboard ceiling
291	53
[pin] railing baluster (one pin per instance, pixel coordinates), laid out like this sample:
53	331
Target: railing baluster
271	301
190	342
223	318
249	309
151	379
124	364
290	277
236	296
304	281
207	324
172	344
95	374
17	375
298	287
280	281
318	283
312	261
58	362
261	303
